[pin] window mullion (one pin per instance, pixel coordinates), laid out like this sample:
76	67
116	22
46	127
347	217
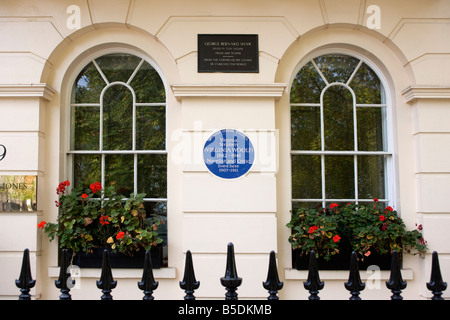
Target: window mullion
354	72
135	175
102	171
100	71
135	71
355	175
322	139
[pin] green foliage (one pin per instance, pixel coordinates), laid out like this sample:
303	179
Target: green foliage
314	230
99	217
364	227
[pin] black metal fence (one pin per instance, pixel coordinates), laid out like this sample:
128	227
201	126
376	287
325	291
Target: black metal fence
230	280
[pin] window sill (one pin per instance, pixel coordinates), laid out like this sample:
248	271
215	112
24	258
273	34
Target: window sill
119	273
294	274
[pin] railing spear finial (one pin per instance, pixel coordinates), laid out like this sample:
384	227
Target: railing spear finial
272	284
354	284
436	284
106	282
231	280
148	283
189	283
25	281
313	283
396	283
64	277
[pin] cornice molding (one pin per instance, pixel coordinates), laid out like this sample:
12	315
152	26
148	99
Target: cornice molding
425	92
274	90
37	90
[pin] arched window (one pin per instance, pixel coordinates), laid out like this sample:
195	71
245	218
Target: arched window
339	140
118	128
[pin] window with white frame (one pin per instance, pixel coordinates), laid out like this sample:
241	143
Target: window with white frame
118	128
339	140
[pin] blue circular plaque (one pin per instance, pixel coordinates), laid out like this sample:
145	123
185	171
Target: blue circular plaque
228	154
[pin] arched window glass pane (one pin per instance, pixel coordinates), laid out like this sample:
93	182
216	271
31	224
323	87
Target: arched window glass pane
367	86
150	127
306	177
307	85
338	118
117	118
370	129
85	127
336	68
148	86
118	66
88	85
305	128
86	169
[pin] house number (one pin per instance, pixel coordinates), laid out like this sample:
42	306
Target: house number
2	152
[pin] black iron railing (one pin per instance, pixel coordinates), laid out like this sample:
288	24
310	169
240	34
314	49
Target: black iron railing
230	280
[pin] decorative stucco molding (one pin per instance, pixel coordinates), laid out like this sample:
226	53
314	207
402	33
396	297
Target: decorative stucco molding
274	90
425	92
33	90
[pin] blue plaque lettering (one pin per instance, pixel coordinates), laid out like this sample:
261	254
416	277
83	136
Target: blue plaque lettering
228	154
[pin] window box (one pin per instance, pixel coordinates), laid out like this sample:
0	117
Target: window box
119	260
341	261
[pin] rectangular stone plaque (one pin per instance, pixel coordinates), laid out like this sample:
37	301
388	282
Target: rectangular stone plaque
236	53
18	193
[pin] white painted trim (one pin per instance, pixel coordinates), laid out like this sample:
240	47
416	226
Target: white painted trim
37	90
294	274
274	90
119	273
425	92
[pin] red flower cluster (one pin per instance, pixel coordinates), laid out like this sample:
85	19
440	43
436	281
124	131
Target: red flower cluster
120	235
312	229
96	187
84	195
104	220
62	187
336	238
41	225
333	205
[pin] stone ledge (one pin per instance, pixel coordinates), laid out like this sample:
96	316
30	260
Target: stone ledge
425	92
294	274
118	273
37	90
274	90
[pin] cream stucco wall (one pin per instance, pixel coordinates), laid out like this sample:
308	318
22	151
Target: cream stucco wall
40	55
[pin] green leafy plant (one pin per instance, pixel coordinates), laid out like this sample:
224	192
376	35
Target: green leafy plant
99	217
365	228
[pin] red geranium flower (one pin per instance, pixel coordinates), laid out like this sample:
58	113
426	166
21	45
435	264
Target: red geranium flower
381	218
333	205
120	235
336	238
104	220
62	187
312	229
84	195
95	187
41	224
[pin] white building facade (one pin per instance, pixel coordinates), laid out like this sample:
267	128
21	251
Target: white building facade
401	49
